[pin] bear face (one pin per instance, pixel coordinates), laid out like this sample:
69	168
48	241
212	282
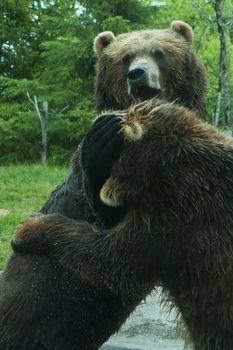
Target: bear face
140	65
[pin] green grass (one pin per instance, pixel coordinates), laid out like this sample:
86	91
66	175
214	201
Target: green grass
23	190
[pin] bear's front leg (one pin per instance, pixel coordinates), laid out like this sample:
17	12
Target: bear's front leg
42	234
99	258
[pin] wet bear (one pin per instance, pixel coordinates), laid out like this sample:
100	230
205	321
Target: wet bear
174	176
37	293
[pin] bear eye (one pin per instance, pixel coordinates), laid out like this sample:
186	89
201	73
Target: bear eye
158	54
128	57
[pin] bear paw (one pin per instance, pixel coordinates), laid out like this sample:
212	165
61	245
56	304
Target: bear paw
111	193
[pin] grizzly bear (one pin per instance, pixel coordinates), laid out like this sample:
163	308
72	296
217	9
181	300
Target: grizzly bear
175	177
43	304
131	68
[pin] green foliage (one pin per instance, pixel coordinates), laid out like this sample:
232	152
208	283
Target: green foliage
134	11
24	189
116	24
19	132
46	50
15	37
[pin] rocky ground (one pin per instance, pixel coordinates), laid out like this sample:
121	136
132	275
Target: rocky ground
150	327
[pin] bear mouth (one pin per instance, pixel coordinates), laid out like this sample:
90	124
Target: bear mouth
144	92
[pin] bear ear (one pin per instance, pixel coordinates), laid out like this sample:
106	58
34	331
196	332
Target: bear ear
183	29
102	40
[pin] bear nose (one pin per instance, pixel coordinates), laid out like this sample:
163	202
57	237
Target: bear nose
136	74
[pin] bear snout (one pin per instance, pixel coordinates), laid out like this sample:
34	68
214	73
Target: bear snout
143	81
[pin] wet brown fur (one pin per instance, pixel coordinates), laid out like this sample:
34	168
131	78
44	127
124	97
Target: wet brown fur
177	184
98	273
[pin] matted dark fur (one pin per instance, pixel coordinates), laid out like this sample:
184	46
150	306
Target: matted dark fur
42	305
176	180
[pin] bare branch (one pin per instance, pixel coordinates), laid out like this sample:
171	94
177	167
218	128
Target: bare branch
37	107
44	126
62	110
30	98
43	117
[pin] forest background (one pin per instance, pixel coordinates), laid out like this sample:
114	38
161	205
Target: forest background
47	65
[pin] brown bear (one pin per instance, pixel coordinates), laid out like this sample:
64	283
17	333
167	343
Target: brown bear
175	177
131	67
60	309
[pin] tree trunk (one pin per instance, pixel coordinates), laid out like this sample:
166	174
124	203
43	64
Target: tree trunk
43	143
223	75
219	99
44	133
43	117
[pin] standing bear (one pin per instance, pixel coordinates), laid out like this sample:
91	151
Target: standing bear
43	303
174	176
131	68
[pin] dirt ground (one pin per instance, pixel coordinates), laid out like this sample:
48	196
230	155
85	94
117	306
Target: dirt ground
150	327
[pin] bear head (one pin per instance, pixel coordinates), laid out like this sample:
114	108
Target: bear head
140	65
